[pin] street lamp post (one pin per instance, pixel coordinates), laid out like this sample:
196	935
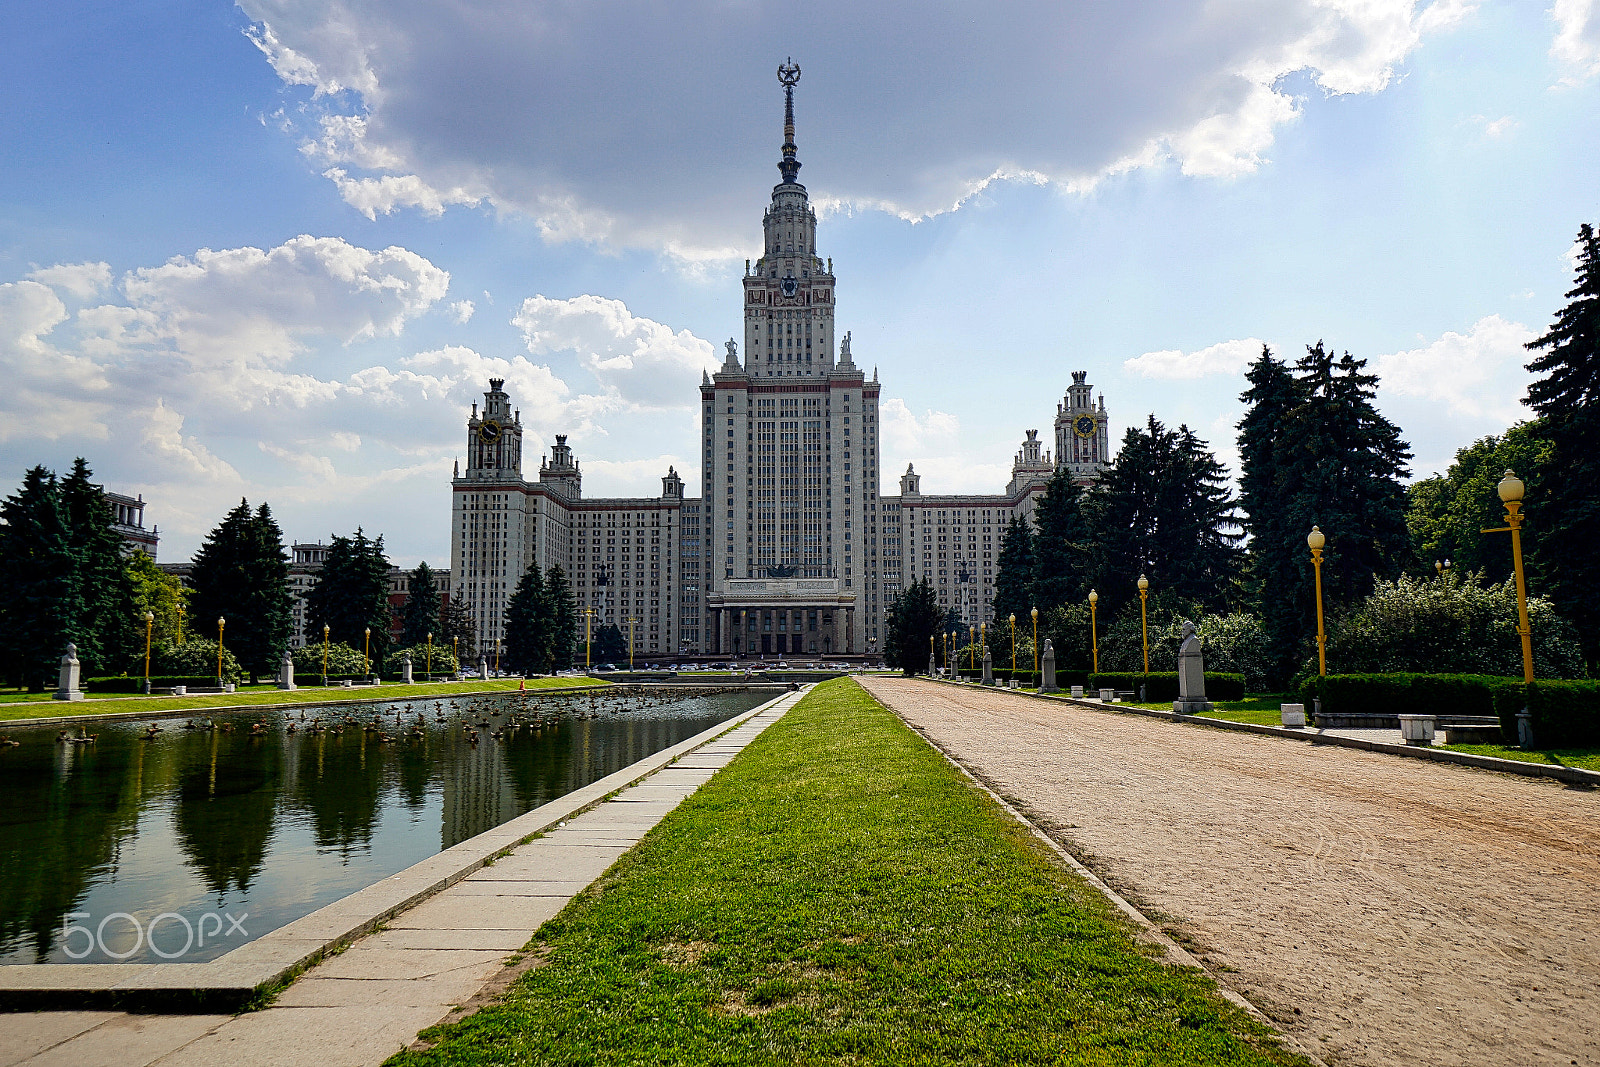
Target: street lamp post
1094	634
1315	540
930	655
497	657
1013	621
455	653
366	652
1441	569
221	622
428	665
1144	625
631	621
180	618
1036	679
588	635
325	629
1511	490
149	622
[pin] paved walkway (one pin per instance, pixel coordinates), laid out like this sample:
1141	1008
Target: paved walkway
1382	910
366	1004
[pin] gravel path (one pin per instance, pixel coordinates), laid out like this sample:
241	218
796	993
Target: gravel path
1384	911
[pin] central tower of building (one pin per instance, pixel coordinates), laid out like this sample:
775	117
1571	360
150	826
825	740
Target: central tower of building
790	450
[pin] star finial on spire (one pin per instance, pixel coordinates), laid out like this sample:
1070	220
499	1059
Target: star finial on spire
789	77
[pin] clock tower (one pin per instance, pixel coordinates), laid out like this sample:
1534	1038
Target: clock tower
1082	440
494	439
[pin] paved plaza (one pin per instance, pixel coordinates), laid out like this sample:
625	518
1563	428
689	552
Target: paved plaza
1382	910
362	1006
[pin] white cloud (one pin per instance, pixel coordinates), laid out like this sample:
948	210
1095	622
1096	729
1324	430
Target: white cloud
1577	42
642	363
1226	357
1479	374
611	124
1498	127
81	280
461	311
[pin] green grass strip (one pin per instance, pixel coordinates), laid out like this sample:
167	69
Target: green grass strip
246	697
841	894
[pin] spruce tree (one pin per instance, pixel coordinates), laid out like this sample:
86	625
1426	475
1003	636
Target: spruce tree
352	595
563	619
528	636
916	618
241	574
455	624
421	615
1564	507
1060	544
1013	581
40	606
1162	509
610	645
107	633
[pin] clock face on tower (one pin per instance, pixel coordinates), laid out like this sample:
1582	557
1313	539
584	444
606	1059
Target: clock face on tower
790	286
1083	425
489	432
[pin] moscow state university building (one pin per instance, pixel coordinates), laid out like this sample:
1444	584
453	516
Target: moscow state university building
790	551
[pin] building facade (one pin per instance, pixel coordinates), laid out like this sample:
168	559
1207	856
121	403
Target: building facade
790	550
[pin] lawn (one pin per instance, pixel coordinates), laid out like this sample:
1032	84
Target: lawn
1263	709
250	695
1586	758
841	894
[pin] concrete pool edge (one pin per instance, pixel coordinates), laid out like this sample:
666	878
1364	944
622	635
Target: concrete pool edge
236	979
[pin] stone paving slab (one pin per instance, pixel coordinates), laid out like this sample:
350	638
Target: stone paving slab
365	1004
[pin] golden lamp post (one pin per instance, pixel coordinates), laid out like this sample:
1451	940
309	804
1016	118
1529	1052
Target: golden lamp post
983	640
1511	489
497	656
588	637
366	652
1441	569
1036	679
1094	634
631	621
428	668
325	629
1013	619
455	654
1144	625
180	620
1315	540
931	654
221	622
149	622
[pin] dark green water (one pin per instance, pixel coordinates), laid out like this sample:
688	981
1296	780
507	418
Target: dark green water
194	828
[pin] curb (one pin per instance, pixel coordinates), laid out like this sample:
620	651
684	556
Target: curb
1570	775
235	980
1176	954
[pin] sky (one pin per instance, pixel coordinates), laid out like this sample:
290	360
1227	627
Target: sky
274	250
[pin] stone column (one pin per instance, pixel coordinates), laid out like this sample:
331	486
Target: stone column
1047	669
286	672
850	630
67	684
405	668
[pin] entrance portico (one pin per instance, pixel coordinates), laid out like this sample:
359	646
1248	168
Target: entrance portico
782	617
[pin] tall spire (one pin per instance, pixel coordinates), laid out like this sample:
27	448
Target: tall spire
789	77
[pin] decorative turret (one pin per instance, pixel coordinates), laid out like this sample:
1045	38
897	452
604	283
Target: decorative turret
910	482
560	471
672	485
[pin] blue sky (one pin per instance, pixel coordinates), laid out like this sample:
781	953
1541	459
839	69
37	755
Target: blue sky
272	250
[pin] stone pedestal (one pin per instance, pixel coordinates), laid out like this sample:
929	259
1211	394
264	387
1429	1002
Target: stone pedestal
1293	714
405	668
1047	669
1077	691
1417	729
1108	696
1191	674
988	668
483	667
933	668
67	685
286	671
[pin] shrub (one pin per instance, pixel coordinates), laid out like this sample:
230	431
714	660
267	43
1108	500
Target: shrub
1565	714
1162	686
1450	626
136	685
1440	695
342	660
195	658
443	661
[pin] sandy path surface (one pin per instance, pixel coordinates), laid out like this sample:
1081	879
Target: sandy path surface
1382	910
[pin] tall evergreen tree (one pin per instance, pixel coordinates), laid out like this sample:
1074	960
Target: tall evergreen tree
610	645
528	634
1162	509
352	594
563	619
40	605
1060	544
915	618
1013	580
421	615
107	633
455	624
1566	506
241	574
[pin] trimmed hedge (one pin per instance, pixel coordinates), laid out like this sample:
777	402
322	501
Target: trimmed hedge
136	685
1564	713
1162	686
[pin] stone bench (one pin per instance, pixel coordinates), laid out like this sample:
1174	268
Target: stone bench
1471	729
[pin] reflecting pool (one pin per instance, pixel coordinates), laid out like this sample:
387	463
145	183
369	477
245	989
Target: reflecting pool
188	840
